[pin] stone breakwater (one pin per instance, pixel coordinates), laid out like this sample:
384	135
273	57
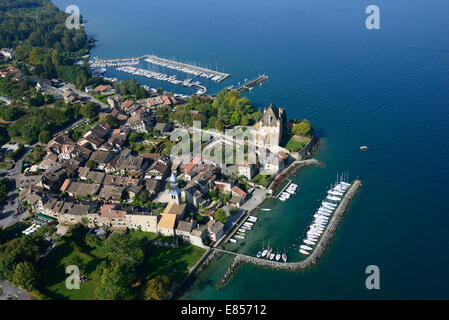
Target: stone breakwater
318	251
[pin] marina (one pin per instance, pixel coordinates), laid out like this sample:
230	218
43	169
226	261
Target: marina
242	229
187	68
131	66
312	256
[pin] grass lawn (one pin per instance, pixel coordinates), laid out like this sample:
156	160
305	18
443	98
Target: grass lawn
263	180
54	276
173	262
294	143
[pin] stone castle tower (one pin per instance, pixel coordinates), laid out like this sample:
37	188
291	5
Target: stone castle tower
270	127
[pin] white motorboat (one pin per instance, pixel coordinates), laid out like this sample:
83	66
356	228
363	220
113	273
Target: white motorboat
309	242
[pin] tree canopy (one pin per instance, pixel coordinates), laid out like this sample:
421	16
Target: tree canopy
302	128
157	288
90	110
120	248
220	215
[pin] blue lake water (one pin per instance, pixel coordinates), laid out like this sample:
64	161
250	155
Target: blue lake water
387	88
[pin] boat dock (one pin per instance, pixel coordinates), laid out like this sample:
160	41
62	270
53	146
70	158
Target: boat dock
320	248
249	85
283	189
184	67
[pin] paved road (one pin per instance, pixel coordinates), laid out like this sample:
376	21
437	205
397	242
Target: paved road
10	292
257	197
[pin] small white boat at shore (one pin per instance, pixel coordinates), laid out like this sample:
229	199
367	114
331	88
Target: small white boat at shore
232	240
304	252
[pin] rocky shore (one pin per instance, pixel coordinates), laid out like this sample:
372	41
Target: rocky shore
317	253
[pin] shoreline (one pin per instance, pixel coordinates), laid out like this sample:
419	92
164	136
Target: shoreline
314	257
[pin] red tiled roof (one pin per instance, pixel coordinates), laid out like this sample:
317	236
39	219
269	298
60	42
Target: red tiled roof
192	163
239	191
65	185
102	88
108	211
128	103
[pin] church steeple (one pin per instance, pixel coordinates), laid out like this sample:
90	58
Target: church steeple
175	192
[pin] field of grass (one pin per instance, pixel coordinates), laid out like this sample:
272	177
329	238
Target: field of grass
173	262
52	283
294	143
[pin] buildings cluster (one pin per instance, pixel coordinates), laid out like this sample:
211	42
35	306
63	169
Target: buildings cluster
99	181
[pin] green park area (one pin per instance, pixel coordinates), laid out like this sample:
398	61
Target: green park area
294	143
101	259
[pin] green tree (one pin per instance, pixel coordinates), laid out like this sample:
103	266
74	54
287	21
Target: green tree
25	276
157	288
116	283
302	129
92	241
120	248
134	136
219	125
91	164
235	118
4	136
220	215
143	197
45	136
113	122
90	110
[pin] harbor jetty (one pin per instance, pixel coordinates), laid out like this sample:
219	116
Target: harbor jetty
249	85
317	253
191	69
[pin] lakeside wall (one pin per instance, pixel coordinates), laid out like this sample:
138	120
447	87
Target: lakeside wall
317	253
307	150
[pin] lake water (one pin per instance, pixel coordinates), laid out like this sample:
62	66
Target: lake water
387	89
